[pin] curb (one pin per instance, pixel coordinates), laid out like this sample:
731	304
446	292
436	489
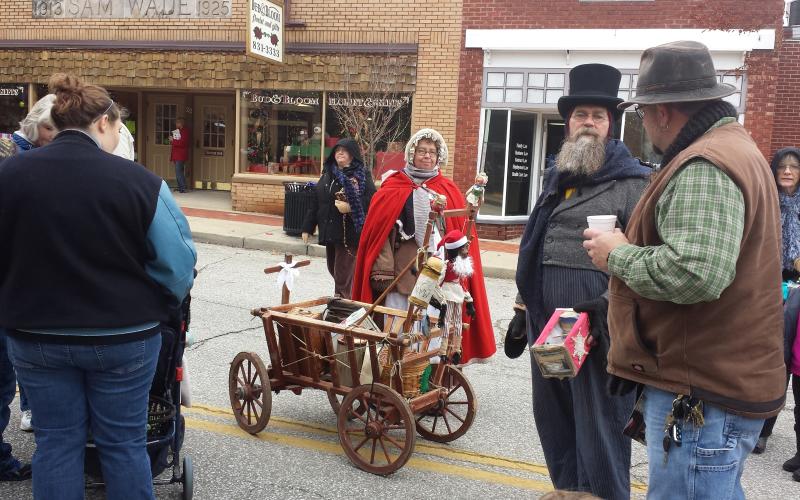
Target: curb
297	248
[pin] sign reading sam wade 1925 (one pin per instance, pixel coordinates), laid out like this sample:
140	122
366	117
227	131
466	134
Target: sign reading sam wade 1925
265	30
131	9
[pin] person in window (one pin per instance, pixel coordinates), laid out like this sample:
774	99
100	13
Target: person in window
179	152
35	130
96	254
786	170
341	199
579	424
395	229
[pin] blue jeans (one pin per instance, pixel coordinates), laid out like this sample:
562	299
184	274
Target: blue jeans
180	177
8	388
74	388
709	463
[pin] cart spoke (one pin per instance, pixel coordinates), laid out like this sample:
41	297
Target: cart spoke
435	419
249	420
447	423
259	403
241	382
454	389
385	453
372	455
250	372
395	443
453	414
457	403
356	448
244	375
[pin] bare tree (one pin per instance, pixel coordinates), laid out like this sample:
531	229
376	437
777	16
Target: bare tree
373	108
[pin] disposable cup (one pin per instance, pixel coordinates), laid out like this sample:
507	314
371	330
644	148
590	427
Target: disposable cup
602	222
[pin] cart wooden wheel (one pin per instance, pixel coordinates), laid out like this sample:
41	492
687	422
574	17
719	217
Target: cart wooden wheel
336	403
453	415
381	438
249	390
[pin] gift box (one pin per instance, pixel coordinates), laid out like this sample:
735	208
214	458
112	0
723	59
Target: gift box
563	345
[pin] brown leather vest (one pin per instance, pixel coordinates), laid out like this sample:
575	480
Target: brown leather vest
728	352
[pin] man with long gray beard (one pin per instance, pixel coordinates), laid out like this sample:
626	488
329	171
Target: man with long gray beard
579	422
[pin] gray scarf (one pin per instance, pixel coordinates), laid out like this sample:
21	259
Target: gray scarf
419	175
790	224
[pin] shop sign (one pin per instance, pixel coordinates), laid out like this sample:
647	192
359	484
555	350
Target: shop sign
12	91
255	96
521	161
265	30
213	152
369	102
131	9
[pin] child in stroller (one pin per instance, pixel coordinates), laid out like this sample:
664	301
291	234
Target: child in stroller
165	423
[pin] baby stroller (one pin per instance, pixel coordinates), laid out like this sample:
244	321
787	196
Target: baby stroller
165	423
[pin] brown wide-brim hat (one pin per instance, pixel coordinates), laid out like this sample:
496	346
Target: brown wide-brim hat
677	72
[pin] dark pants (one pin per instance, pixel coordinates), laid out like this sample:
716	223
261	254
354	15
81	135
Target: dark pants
180	176
8	388
769	424
341	265
580	428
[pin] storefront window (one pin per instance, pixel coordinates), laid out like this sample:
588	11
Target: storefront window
281	132
508	159
381	126
636	139
13	106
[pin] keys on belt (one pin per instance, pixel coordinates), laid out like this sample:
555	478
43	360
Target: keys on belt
684	408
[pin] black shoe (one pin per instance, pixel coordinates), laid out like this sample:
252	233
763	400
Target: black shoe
23	473
796	475
761	446
792	464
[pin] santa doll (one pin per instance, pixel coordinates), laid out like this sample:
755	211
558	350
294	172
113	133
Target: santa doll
457	270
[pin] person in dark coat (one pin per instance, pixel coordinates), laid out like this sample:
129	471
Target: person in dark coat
786	169
579	424
341	200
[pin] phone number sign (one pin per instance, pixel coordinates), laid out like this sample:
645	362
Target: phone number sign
131	9
265	30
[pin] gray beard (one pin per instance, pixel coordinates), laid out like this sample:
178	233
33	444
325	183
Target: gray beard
581	156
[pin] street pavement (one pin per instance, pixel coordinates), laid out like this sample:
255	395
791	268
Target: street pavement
298	455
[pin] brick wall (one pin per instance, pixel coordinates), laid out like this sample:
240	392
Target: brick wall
499	231
661	14
786	128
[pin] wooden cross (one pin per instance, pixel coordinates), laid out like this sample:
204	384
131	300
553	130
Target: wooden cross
275	269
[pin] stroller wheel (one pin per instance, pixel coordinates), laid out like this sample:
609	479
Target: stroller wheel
188	479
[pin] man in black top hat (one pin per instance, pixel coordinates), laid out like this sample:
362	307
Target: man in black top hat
579	424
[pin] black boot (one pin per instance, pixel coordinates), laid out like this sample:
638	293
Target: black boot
793	463
796	475
761	445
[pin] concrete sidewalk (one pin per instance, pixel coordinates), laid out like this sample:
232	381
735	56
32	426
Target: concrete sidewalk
265	232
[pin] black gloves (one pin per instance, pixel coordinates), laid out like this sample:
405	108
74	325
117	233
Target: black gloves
516	336
598	321
471	309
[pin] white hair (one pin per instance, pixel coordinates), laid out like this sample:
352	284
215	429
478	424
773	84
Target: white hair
39	115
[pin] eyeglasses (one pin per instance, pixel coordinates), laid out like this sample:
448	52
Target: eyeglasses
598	117
795	168
639	111
426	152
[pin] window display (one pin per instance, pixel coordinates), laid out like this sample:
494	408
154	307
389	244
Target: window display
13	106
282	132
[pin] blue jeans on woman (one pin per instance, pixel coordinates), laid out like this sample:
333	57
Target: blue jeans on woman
180	175
75	388
710	461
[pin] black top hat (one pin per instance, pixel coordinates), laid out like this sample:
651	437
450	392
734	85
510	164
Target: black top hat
596	84
677	72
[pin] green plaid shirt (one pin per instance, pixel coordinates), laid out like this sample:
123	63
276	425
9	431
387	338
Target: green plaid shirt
700	219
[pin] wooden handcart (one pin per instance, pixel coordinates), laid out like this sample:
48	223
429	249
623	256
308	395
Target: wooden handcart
380	402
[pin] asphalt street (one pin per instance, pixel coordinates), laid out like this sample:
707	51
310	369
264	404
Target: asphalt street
298	454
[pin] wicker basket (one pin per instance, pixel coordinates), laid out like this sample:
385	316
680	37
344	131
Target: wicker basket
411	373
160	413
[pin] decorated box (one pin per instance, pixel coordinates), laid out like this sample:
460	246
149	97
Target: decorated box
563	345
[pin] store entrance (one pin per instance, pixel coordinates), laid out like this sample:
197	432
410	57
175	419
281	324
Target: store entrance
162	111
214	142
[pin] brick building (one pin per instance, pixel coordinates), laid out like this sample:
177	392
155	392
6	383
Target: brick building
255	124
514	65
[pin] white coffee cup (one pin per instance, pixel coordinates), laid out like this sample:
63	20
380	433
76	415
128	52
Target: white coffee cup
604	223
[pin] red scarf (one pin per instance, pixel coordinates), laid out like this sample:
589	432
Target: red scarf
478	342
